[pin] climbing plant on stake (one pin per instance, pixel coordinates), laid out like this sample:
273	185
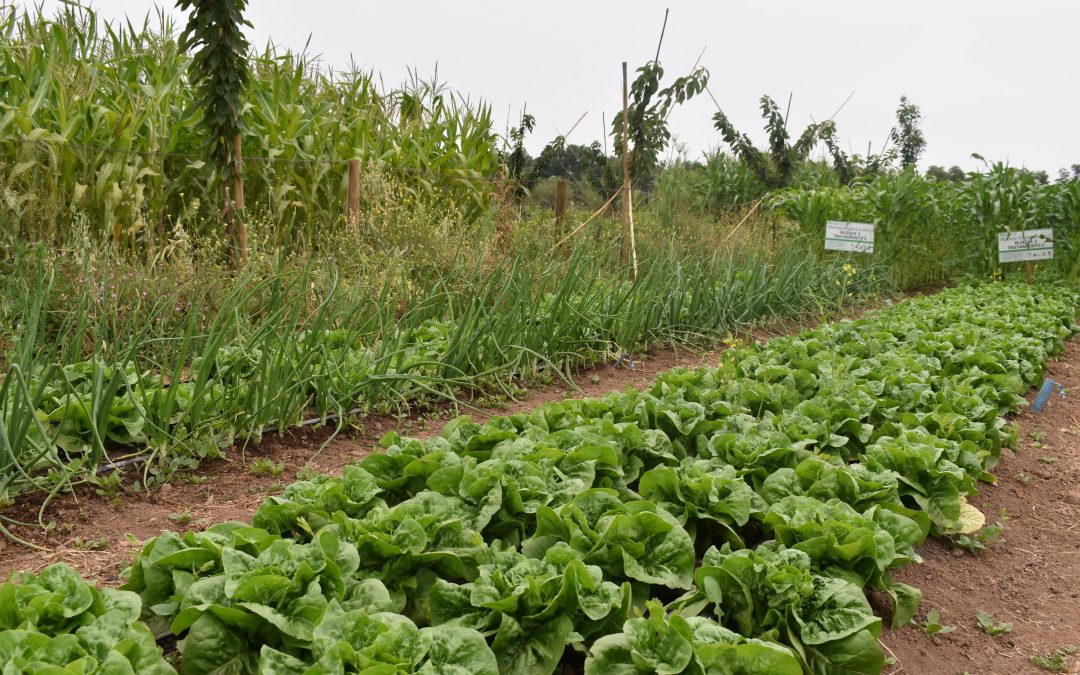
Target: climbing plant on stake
646	119
220	75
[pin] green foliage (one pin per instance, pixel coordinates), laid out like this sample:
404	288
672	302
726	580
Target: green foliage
777	165
518	158
986	536
648	108
907	135
56	622
929	230
991	627
267	467
218	71
953	173
104	128
664	643
285	347
583	164
933	626
1056	661
534	536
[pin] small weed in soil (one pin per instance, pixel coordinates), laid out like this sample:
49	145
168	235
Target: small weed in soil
263	467
991	627
987	536
1056	661
181	518
933	626
91	544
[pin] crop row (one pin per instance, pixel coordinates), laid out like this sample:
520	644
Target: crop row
726	520
60	420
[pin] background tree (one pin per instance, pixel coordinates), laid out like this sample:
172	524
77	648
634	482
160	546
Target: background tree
219	74
953	173
777	165
583	164
518	158
1069	175
648	110
906	135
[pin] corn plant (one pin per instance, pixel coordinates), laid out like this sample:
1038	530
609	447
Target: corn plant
101	121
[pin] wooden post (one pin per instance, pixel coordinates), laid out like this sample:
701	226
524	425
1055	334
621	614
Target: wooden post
560	204
1029	272
236	208
625	169
354	191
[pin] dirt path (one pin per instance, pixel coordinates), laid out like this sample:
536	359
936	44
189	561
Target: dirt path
1031	576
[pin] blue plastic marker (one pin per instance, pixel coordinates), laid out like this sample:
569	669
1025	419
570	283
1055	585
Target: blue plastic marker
1044	395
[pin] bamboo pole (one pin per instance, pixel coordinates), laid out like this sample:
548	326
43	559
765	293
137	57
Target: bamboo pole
588	220
625	169
354	192
560	203
237	213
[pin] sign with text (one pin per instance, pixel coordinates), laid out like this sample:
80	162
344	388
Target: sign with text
841	236
1025	245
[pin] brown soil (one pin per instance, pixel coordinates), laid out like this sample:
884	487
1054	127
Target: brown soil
1031	576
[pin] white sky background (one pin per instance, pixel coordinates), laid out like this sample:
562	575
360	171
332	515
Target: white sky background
997	77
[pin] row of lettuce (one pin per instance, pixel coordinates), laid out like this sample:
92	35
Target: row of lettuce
727	520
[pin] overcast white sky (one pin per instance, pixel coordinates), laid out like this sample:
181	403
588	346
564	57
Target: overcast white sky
997	77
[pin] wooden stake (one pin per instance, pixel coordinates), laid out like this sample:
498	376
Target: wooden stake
354	191
588	220
560	204
237	205
625	168
1029	272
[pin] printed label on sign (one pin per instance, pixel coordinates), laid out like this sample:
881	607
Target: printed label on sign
857	237
1026	245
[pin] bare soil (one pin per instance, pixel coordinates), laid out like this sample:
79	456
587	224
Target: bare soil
1031	576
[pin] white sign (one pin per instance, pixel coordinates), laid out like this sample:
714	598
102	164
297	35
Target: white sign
1025	245
857	237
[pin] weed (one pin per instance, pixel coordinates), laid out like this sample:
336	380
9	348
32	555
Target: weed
91	544
1056	661
306	473
989	626
181	518
108	485
1023	478
263	467
1048	460
987	536
932	624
